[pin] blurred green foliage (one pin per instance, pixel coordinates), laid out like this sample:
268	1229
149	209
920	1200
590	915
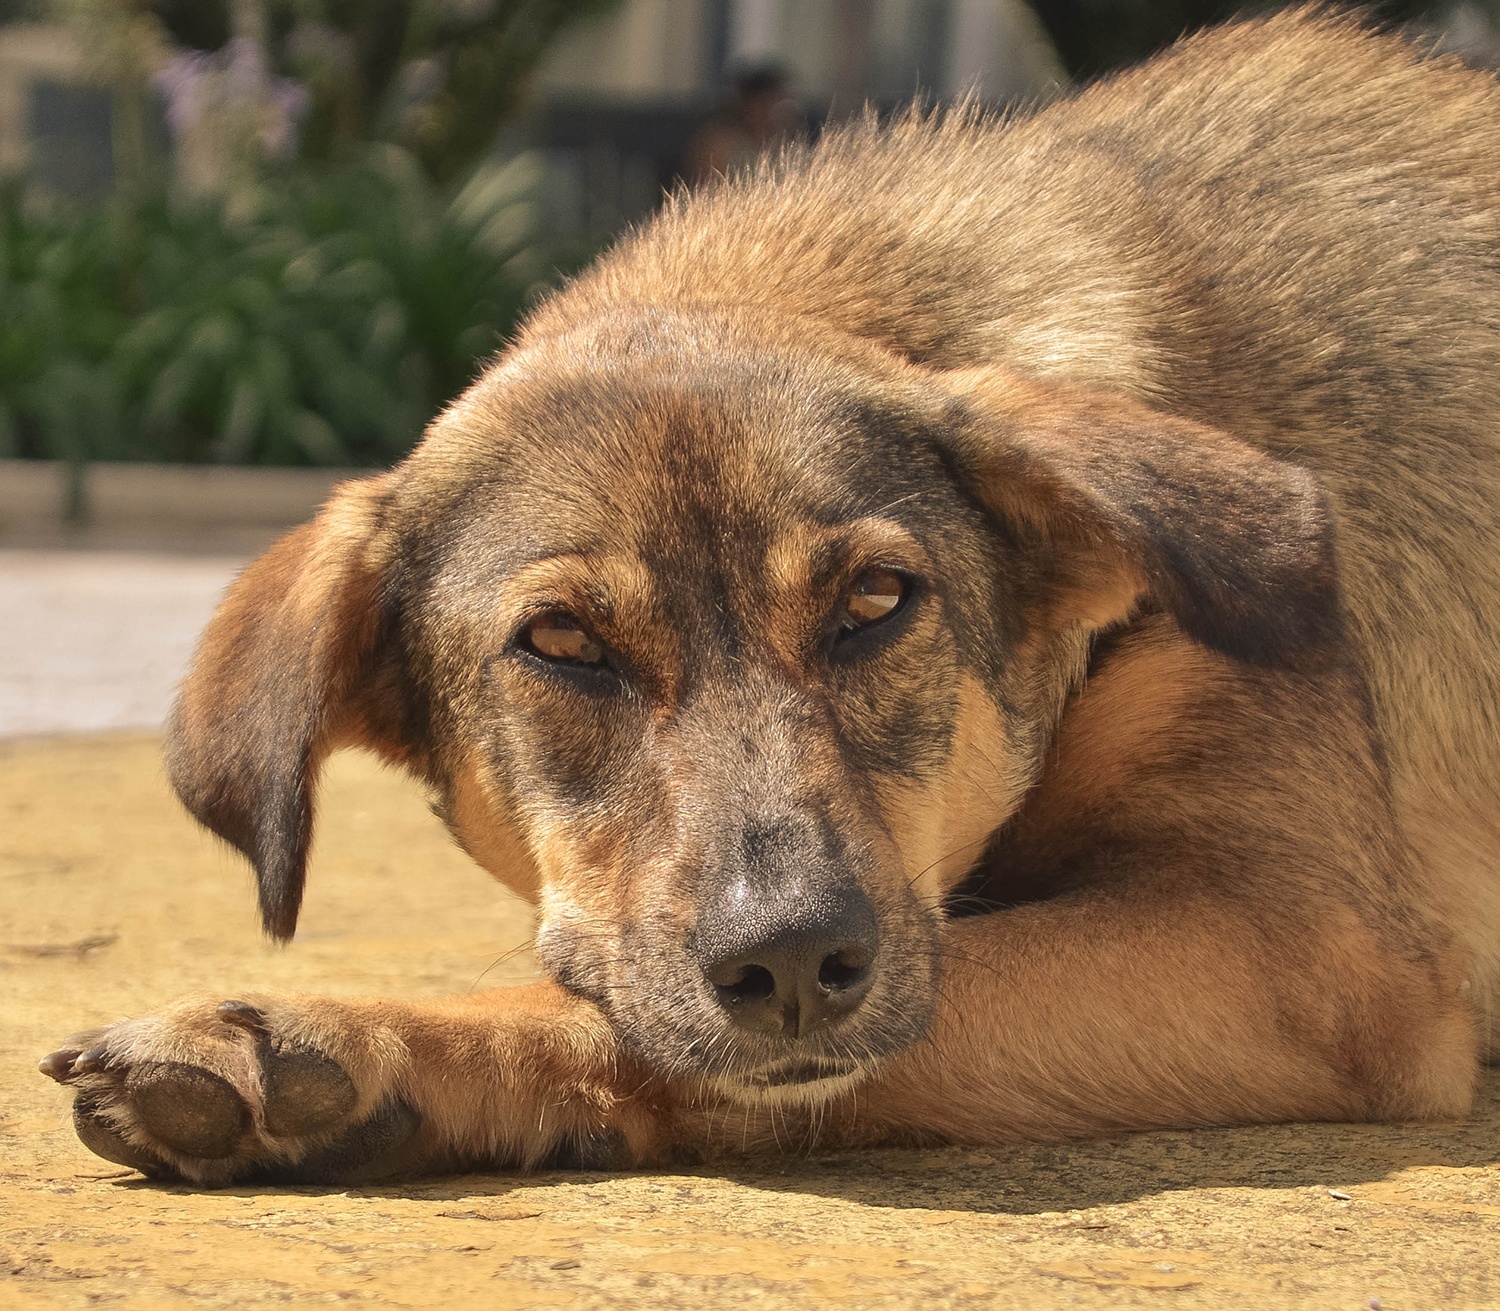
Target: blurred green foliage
438	77
326	328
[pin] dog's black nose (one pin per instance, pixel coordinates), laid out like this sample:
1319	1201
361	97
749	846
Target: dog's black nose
788	964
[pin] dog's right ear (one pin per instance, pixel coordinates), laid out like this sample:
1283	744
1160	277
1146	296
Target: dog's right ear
289	669
1134	504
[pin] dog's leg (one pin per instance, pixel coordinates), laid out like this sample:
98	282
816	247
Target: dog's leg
221	1089
1133	1009
1107	1011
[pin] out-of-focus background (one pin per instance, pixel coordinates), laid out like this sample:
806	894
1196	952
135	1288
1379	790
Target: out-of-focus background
284	232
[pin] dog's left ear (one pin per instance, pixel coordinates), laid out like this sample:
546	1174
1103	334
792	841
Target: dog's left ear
289	668
1133	504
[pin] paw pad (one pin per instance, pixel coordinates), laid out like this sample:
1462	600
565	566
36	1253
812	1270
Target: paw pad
196	1123
187	1109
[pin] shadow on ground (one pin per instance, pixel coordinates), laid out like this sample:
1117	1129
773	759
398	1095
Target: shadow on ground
110	902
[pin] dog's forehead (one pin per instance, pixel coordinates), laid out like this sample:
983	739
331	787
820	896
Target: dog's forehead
667	454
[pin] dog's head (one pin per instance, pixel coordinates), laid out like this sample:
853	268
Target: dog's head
732	647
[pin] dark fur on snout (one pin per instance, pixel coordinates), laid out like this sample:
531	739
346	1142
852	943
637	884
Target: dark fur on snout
977	630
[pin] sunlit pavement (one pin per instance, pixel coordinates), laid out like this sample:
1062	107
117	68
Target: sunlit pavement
112	901
96	640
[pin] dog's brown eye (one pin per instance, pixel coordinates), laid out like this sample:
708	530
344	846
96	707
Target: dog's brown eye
877	594
558	636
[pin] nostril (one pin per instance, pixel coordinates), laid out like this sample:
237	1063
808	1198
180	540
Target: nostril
842	970
754	983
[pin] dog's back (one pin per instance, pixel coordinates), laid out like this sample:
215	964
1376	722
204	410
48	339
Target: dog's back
1289	229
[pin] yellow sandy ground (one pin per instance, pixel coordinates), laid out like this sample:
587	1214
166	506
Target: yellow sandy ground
111	901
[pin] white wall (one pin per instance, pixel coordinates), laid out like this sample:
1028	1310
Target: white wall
999	50
29	51
644	50
660	49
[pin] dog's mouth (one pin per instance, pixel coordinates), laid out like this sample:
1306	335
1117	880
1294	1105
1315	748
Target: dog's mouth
787	1073
796	1080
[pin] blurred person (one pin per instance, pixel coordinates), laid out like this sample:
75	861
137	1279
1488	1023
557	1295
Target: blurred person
759	112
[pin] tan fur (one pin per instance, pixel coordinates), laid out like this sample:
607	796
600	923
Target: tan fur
1213	351
478	817
941	827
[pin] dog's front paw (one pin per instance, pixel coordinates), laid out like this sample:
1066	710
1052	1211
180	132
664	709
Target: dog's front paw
226	1091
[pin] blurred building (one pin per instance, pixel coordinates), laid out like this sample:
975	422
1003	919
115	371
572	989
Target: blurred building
54	125
619	99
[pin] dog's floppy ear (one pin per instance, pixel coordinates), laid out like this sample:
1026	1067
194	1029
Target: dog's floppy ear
1136	504
286	671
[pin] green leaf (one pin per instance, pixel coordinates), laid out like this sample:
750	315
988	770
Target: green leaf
318	439
242	421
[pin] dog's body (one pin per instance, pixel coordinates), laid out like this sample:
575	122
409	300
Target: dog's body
924	522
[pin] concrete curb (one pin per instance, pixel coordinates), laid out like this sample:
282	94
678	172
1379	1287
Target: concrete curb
158	506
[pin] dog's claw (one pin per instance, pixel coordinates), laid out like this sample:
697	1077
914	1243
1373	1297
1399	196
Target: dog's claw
90	1062
58	1065
242	1015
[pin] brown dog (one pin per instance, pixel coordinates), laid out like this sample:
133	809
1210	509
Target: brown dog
1088	521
